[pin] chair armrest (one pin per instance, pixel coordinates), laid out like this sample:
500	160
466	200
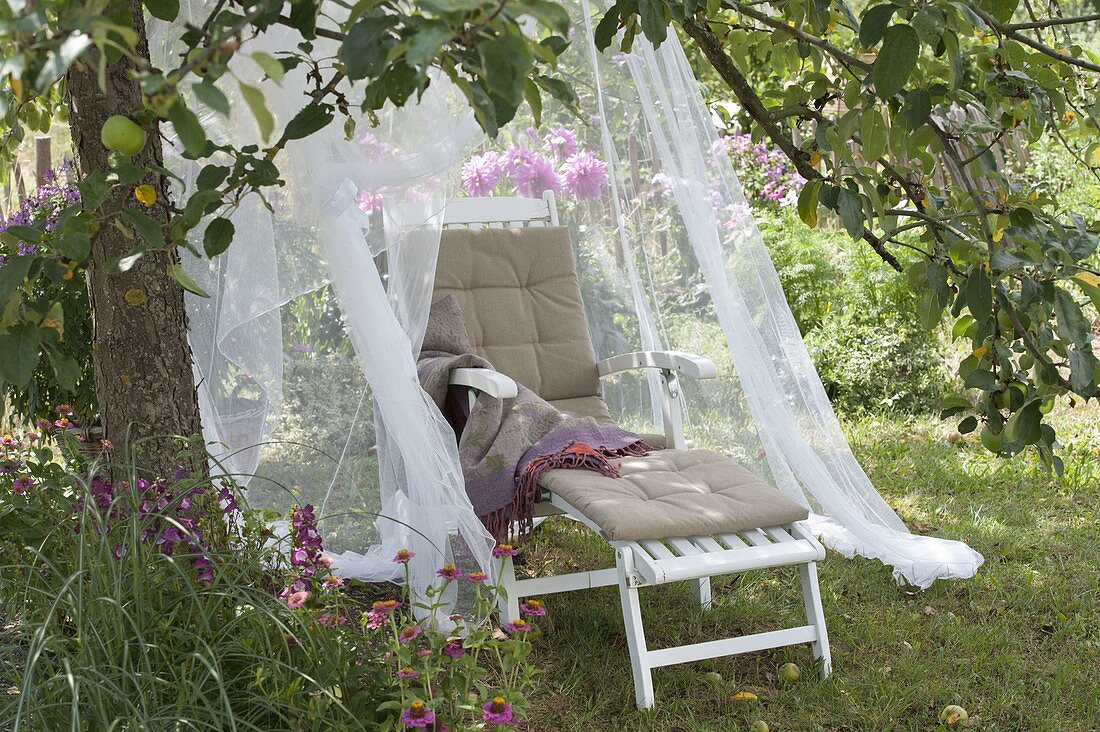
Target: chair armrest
680	362
493	383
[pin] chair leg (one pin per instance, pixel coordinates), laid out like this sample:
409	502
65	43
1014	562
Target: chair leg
508	603
815	615
635	633
701	589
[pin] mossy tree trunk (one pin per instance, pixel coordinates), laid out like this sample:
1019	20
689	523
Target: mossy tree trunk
142	359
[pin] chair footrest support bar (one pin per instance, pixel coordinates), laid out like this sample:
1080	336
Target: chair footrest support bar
731	646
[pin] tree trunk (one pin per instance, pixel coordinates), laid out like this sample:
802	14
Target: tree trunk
142	359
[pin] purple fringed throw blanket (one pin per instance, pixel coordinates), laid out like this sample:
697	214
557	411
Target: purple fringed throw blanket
505	445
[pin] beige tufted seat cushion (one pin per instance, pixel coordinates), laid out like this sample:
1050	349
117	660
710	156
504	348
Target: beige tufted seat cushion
674	493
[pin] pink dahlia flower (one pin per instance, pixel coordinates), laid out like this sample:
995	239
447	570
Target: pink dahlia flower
585	175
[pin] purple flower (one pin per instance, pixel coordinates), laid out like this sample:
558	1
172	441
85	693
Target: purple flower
296	599
417	715
504	550
9	441
407	673
408	634
481	173
518	627
585	175
497	711
449	572
562	142
228	500
477	578
22	484
533	607
403	556
454	649
369	201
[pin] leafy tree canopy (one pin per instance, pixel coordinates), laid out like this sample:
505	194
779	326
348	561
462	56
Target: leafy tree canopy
896	115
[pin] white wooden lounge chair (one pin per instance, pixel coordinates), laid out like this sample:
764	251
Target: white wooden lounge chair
637	512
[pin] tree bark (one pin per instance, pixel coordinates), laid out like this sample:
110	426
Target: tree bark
142	359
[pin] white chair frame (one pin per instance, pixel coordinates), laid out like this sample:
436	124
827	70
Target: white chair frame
652	562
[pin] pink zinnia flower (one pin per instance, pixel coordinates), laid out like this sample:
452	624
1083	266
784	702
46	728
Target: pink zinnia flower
329	620
403	556
481	173
478	578
408	634
504	550
407	673
10	441
533	607
22	484
562	142
43	424
332	583
585	175
63	409
454	649
63	424
417	715
497	711
518	626
296	599
449	572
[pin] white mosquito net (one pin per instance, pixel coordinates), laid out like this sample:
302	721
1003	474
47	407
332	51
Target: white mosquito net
305	352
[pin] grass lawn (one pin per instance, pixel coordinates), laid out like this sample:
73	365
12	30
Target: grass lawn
1018	646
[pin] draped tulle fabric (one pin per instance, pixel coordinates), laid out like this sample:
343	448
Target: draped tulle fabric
304	353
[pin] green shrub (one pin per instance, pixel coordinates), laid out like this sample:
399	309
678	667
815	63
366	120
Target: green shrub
867	364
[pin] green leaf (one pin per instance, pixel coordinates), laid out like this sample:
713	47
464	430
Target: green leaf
270	65
188	128
850	208
255	100
1082	371
196	207
58	63
218	236
163	9
981	379
176	272
979	294
308	120
807	203
533	97
12	276
19	353
1072	324
211	97
873	24
65	368
211	176
366	46
74	241
918	107
968	425
896	60
303	16
150	230
550	14
607	28
873	134
654	17
426	44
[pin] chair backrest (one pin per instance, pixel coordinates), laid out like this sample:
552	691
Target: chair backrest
511	269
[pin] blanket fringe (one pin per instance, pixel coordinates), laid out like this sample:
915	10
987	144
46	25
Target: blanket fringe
575	455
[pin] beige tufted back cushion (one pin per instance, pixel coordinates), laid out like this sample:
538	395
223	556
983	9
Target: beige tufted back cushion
522	304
